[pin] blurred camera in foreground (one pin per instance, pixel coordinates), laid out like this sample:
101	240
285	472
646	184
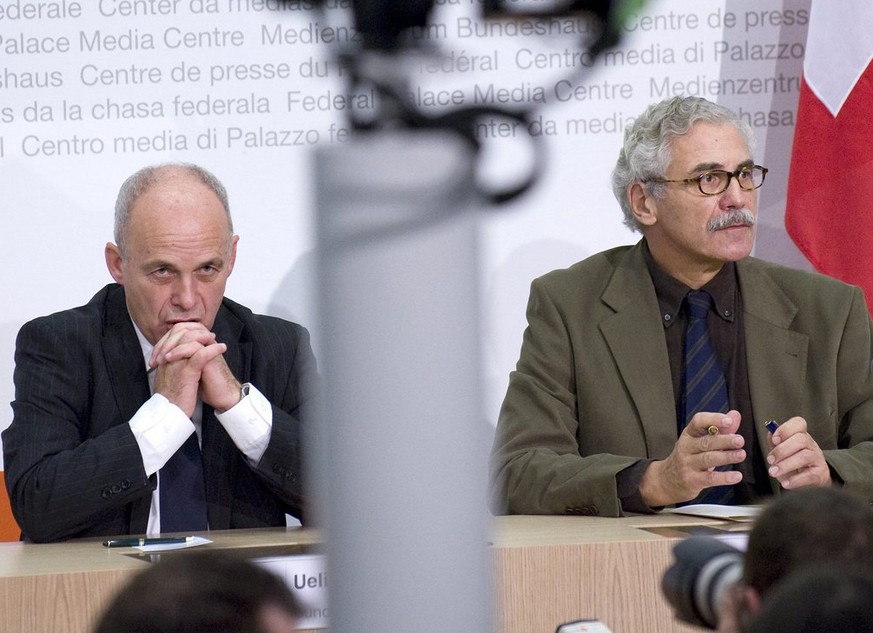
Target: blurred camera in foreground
703	570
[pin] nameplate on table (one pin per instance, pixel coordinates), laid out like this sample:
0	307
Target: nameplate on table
306	574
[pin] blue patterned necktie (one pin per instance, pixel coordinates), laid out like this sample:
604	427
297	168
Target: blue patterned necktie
183	490
703	382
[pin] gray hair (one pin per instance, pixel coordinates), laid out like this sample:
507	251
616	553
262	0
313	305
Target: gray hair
143	180
648	144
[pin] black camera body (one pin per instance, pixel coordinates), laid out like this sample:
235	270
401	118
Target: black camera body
703	570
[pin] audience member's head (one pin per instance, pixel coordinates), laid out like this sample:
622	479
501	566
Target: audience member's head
818	600
819	526
202	592
801	530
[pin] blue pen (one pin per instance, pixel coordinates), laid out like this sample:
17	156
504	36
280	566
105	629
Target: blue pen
772	426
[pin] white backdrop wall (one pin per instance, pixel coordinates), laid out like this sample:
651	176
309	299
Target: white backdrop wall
91	90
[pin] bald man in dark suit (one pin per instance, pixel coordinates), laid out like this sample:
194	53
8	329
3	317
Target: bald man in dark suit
107	392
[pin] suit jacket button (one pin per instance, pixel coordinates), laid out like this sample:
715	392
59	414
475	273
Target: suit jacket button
105	493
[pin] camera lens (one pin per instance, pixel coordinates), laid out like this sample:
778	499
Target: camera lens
703	570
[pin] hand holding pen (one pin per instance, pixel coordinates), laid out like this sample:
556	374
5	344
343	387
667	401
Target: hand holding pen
796	460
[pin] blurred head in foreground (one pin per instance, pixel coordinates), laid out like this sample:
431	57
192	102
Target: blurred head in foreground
202	592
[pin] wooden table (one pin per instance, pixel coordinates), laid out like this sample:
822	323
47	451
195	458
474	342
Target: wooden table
547	570
62	587
550	570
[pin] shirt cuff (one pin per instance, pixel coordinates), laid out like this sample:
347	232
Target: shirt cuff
628	484
160	428
249	423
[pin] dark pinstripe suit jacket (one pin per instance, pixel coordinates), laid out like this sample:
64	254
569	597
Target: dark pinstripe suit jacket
73	468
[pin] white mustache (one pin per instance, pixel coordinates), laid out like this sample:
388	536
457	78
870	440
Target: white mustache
742	217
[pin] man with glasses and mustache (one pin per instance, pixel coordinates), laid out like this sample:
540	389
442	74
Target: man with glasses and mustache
648	373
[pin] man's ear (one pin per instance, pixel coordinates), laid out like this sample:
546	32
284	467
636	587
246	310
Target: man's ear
113	262
741	605
752	600
643	204
232	259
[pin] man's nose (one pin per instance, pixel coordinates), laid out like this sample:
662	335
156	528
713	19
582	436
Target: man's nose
735	195
184	293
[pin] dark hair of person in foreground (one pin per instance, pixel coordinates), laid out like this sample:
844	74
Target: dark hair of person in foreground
202	592
822	526
815	600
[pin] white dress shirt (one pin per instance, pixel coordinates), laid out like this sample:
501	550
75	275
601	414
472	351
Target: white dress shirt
160	429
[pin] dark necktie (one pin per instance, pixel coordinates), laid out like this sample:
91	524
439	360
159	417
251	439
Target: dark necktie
183	491
704	386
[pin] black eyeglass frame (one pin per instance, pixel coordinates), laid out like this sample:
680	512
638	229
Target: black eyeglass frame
730	174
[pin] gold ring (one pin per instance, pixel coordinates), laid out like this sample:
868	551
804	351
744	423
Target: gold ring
712	429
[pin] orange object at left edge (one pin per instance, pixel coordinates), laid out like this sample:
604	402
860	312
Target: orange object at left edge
9	530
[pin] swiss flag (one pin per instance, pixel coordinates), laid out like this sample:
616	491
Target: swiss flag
829	212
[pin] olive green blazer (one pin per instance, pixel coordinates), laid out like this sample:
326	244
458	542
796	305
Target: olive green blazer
592	391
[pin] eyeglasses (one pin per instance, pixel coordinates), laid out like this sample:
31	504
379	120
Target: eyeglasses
715	181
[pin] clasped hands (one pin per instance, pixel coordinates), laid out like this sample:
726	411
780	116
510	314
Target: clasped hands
189	363
794	459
